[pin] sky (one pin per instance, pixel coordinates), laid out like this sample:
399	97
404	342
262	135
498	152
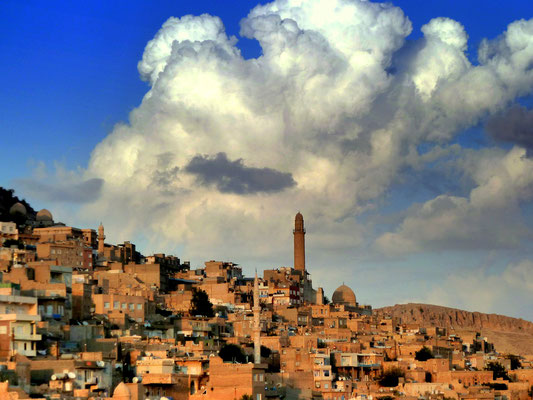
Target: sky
402	131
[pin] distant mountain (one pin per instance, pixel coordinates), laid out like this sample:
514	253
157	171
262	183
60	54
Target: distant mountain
431	315
513	335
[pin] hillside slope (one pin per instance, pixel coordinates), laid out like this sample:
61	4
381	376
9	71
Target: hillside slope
508	334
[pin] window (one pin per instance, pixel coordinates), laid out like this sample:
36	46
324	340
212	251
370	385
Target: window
124	305
326	386
139	306
116	304
132	306
106	304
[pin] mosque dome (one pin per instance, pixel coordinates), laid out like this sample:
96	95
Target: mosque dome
344	295
44	215
18	208
122	392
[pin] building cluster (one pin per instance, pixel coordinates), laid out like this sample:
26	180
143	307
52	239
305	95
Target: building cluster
85	319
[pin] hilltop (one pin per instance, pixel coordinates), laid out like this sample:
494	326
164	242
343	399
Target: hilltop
513	335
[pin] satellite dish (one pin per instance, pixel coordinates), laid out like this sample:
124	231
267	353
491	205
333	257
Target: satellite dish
54	377
72	375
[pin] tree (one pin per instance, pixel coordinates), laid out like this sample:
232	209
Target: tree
265	352
200	304
391	377
424	354
247	397
498	370
13	242
232	353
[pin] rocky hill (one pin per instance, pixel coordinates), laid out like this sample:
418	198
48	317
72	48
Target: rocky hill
508	334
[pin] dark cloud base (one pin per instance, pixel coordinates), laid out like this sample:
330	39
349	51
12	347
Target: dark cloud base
234	177
515	125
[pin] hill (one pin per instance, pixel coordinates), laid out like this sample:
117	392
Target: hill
509	335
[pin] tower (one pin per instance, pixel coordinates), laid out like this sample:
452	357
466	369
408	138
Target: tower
101	238
257	327
299	243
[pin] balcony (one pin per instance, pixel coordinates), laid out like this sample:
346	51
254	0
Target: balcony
27	337
369	365
20	317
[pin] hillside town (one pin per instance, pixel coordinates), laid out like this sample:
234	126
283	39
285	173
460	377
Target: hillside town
82	318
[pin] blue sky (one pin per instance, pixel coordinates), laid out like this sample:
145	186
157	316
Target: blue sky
70	74
73	68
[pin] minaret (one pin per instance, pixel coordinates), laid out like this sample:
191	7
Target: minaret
101	238
257	327
299	243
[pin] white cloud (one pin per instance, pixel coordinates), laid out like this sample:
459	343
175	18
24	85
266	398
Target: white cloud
338	101
490	217
508	292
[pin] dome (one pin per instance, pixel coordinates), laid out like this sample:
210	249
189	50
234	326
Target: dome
17	208
122	392
344	295
44	215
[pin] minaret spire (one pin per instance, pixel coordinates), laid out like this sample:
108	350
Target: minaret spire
299	242
257	327
101	239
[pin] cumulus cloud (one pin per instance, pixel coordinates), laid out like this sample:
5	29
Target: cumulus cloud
489	217
515	125
234	177
338	102
63	186
71	192
508	291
